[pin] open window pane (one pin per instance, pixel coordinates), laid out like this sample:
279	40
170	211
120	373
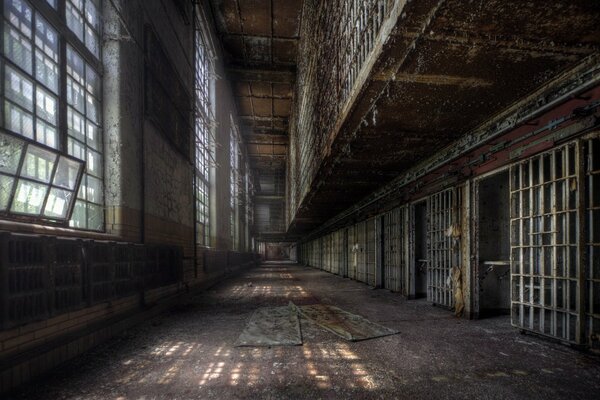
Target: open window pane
58	202
66	173
29	197
38	164
38	178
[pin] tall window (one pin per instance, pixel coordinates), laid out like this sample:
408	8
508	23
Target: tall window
203	123
52	95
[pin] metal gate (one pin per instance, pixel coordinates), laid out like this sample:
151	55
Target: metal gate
592	301
545	256
395	238
371	252
443	244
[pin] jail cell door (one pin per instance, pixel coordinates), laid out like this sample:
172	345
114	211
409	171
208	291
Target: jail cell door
335	253
545	254
394	249
352	252
592	300
361	265
443	244
371	252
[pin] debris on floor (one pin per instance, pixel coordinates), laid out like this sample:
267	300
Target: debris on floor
280	326
272	326
349	326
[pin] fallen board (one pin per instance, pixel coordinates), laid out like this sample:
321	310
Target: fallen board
349	326
272	326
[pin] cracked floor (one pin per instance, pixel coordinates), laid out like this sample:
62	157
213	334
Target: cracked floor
188	353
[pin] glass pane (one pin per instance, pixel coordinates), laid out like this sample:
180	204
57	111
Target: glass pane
6	185
93	109
29	197
91	41
94	190
76	124
52	3
47	106
18	120
10	154
20	15
74	20
46	38
38	164
58	202
76	149
79	217
18	88
46	71
18	48
66	173
94	163
75	95
46	134
92	82
95	217
92	15
94	138
75	65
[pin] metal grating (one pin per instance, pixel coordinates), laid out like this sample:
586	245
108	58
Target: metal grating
66	274
443	214
544	247
46	276
395	242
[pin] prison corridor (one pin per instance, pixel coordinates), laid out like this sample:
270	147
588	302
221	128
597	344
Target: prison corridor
188	352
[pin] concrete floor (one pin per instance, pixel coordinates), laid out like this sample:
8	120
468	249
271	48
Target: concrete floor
188	353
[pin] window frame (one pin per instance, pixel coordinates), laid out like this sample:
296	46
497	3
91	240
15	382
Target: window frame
8	214
56	19
203	125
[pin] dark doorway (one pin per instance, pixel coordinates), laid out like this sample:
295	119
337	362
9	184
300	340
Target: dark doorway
494	245
420	263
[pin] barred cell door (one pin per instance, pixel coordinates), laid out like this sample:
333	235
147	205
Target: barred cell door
443	244
352	252
371	252
545	255
592	299
361	265
395	249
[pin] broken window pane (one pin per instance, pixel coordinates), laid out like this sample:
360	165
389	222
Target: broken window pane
10	154
6	185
